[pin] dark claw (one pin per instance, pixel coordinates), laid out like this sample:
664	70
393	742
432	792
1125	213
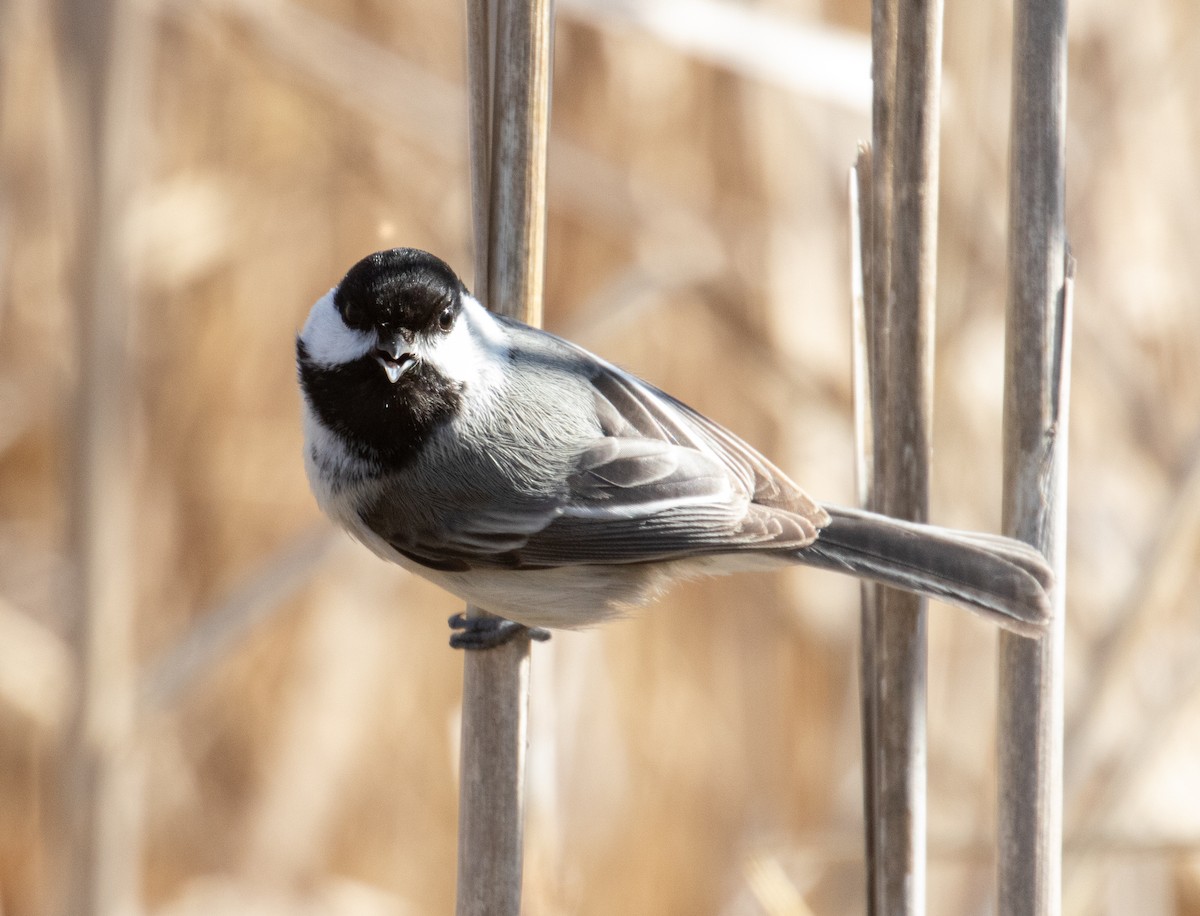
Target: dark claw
489	632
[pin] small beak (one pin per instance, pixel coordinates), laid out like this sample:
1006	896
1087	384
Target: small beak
390	354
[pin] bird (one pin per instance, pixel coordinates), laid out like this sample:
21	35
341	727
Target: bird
536	480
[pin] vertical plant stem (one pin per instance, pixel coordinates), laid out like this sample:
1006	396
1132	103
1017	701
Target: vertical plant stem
877	291
481	64
861	362
509	129
878	267
1036	393
902	313
520	132
100	804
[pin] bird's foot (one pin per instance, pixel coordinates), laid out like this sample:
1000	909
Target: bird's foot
489	632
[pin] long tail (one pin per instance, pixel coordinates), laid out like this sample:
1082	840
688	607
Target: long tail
996	576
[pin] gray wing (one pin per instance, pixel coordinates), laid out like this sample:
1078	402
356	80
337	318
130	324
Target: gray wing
660	482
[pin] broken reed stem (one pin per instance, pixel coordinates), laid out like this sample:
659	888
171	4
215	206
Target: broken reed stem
861	364
1036	390
510	45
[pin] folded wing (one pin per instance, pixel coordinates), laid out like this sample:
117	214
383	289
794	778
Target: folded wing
660	482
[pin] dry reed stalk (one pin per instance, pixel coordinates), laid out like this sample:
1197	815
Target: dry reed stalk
100	807
877	286
861	177
1036	389
877	289
520	130
900	325
509	44
481	77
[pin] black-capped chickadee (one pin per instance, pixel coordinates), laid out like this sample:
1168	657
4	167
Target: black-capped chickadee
535	480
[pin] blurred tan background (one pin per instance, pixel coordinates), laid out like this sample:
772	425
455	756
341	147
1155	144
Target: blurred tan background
297	751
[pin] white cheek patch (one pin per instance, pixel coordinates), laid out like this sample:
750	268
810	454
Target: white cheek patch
473	352
485	328
328	340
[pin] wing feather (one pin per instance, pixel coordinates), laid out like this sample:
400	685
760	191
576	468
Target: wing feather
660	481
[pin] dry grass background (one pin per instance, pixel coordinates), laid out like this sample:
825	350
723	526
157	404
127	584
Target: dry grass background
703	758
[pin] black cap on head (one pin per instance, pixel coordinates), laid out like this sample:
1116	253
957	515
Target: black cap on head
399	288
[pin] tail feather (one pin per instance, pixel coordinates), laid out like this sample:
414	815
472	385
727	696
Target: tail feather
999	577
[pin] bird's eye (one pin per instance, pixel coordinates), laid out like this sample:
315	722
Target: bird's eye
350	315
446	318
